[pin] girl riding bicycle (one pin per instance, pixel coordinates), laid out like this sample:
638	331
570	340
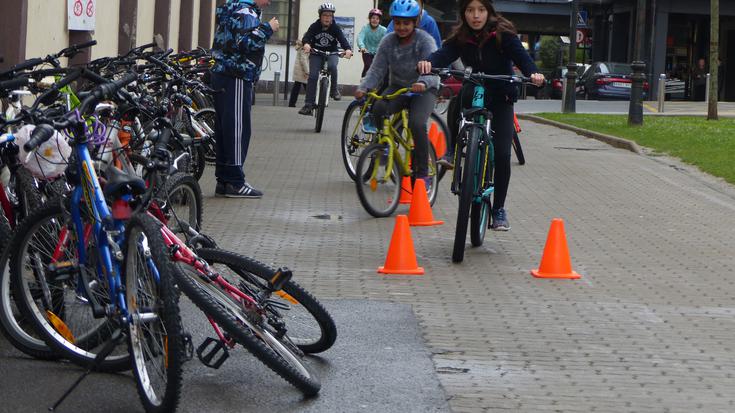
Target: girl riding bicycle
397	56
488	43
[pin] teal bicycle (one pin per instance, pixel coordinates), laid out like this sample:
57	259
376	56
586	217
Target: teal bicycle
474	158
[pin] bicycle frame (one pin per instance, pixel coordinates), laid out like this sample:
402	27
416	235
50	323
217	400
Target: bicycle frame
478	102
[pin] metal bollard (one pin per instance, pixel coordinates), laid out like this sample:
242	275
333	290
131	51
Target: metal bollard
661	92
706	89
563	92
276	87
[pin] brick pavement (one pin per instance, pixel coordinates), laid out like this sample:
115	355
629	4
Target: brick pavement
649	327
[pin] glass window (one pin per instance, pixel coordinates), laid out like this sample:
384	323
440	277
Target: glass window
279	9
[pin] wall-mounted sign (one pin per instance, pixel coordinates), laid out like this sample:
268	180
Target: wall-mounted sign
81	14
348	27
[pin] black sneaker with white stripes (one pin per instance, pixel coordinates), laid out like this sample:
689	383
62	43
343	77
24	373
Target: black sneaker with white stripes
244	191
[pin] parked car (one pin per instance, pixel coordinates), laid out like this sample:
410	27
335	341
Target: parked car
556	80
607	80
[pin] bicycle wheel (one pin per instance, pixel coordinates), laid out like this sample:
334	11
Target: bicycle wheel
27	196
439	146
518	149
480	211
206	117
13	325
47	284
353	139
308	324
466	191
155	331
248	328
378	187
321	103
181	203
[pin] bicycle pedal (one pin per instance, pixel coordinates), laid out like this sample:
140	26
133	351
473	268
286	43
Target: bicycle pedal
188	347
217	346
280	278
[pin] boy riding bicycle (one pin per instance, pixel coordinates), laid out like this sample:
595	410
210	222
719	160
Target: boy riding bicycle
323	35
397	56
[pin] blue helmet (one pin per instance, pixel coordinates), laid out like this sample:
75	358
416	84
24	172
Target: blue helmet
405	8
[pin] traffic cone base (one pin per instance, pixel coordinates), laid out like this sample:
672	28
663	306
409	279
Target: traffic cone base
401	258
555	262
420	212
406	191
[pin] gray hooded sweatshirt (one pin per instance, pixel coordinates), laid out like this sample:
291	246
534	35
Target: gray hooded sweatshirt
401	61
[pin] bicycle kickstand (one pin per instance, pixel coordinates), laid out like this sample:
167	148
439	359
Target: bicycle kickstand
115	339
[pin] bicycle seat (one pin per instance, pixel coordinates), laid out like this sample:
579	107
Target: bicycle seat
119	183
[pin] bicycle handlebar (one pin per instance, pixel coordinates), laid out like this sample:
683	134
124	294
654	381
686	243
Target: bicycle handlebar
467	74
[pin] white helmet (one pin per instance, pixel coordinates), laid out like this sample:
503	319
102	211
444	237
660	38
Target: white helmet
327	7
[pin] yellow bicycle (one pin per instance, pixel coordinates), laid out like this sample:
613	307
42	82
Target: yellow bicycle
383	165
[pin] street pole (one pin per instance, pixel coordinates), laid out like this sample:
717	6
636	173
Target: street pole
570	101
635	110
714	60
288	49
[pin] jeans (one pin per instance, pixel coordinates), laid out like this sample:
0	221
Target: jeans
315	66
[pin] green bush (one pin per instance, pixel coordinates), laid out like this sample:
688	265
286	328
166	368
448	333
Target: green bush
549	52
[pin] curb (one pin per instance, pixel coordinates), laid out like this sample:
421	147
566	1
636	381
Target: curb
608	139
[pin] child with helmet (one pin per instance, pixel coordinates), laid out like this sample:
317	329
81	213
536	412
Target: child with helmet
326	36
397	56
370	37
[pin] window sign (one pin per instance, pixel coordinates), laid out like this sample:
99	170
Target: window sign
81	14
348	27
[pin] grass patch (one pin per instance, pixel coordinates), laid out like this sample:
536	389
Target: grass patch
710	145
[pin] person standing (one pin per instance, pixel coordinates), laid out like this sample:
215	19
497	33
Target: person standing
369	39
238	49
699	79
300	73
324	35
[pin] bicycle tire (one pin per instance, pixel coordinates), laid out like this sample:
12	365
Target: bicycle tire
48	221
27	194
353	144
367	187
305	310
181	188
444	129
12	324
207	116
516	143
466	191
161	296
480	211
229	316
321	103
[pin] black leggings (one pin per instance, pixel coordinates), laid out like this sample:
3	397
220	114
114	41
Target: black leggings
503	127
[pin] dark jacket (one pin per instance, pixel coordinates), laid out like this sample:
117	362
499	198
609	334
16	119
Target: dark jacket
326	40
239	40
493	58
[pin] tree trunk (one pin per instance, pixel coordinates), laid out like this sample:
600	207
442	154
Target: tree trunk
714	59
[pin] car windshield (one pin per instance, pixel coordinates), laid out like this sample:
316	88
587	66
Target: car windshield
616	68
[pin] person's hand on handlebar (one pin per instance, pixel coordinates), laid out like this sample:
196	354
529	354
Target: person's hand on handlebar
424	67
307	48
359	94
348	54
538	79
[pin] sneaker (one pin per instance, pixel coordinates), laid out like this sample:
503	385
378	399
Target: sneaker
219	190
367	125
447	161
244	191
336	96
500	220
306	110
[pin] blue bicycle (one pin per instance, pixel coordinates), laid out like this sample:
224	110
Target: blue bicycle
87	276
474	155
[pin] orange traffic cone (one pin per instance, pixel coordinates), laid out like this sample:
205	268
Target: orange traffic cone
420	212
556	263
438	140
401	257
406	191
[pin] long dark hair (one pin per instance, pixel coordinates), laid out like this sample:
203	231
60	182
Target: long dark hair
495	23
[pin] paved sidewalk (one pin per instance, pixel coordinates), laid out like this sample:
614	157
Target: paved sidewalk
649	327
